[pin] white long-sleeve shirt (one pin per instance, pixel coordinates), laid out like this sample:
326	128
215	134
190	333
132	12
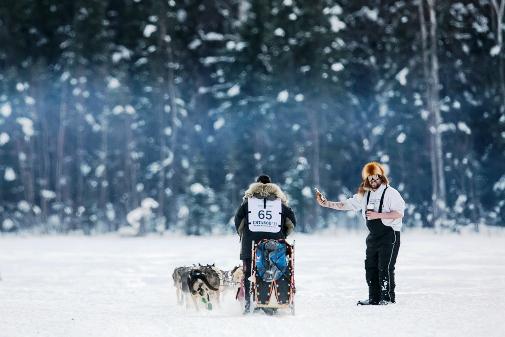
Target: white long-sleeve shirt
393	201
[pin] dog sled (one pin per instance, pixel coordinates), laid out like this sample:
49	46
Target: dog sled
272	276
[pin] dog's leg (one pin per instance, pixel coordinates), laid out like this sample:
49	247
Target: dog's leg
186	300
179	296
218	299
195	302
213	298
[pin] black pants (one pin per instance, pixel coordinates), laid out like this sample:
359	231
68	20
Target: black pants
381	254
247	283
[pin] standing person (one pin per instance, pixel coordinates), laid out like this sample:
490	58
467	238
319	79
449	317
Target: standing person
382	207
266	201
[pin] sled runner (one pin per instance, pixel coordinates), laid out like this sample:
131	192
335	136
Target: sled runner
272	277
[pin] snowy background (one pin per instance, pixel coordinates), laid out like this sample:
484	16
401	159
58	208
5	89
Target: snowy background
448	285
152	116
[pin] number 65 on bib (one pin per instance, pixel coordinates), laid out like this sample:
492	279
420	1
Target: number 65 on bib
264	215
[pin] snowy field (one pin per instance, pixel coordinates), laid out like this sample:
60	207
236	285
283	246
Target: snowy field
448	285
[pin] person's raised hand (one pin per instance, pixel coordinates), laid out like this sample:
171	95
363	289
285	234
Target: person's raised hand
321	200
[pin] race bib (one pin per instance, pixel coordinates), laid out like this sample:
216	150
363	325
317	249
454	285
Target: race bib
264	215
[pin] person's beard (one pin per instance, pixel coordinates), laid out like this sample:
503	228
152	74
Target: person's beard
375	184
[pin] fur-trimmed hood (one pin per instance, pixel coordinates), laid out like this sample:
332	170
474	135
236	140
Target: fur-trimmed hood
260	190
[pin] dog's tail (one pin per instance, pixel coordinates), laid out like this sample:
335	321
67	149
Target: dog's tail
198	275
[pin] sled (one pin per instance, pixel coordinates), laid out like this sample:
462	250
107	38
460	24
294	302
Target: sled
272	276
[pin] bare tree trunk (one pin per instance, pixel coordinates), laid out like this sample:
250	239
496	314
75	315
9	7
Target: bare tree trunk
314	126
499	11
43	148
476	211
24	156
430	68
130	174
435	110
168	83
61	180
104	184
79	200
162	47
132	164
472	190
426	71
24	148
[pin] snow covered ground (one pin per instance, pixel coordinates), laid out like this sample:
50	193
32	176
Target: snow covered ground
448	285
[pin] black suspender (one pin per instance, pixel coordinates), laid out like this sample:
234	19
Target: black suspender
382	199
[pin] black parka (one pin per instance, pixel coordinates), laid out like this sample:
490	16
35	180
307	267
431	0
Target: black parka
262	191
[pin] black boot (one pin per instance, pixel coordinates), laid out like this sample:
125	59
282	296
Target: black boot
368	302
387	295
373	293
386	298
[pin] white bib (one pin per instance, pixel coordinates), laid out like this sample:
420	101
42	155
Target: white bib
264	217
